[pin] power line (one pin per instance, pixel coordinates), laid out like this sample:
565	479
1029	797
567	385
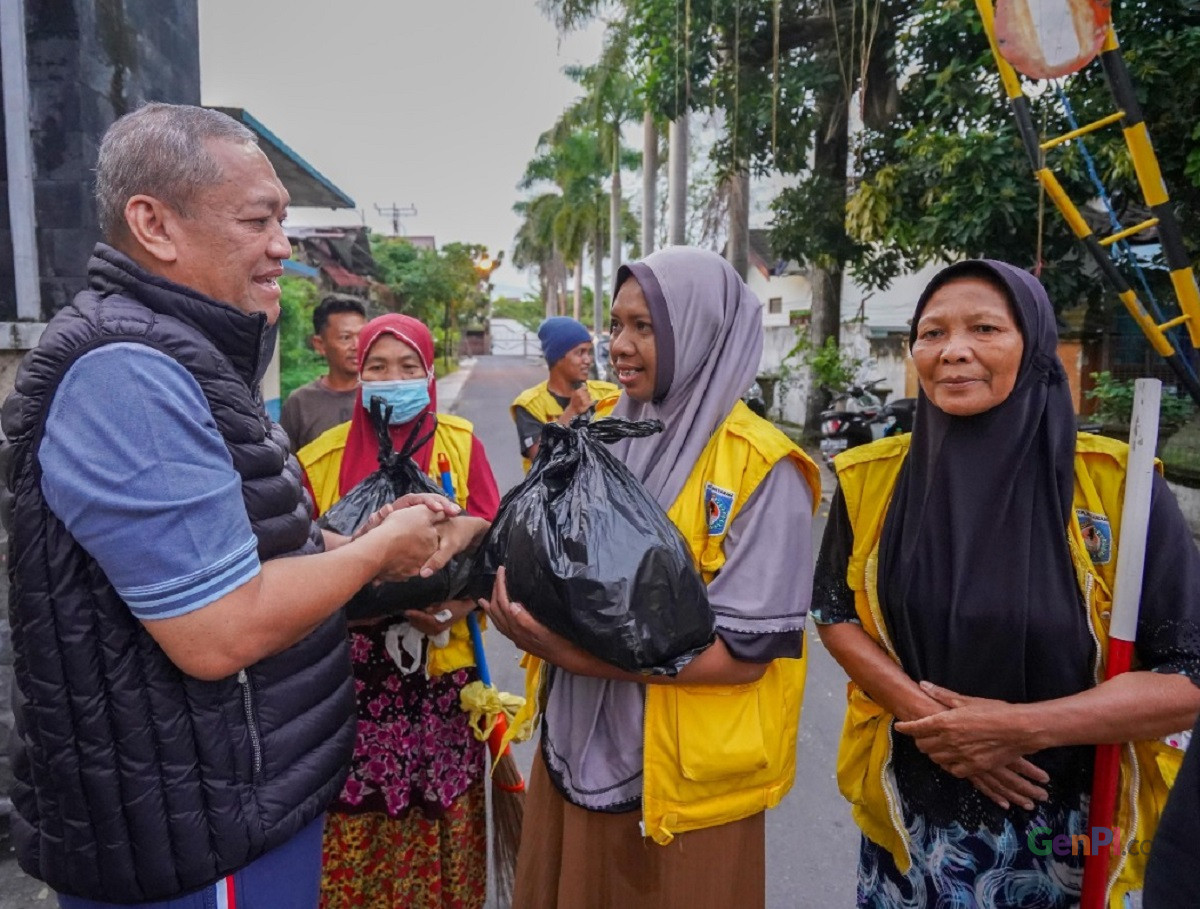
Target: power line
396	212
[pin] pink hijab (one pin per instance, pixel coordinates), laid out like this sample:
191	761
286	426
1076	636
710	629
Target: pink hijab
361	456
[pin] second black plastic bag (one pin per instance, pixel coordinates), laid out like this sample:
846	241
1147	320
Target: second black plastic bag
594	557
398	475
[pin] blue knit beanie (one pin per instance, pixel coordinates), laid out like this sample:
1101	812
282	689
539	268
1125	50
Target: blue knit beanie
559	336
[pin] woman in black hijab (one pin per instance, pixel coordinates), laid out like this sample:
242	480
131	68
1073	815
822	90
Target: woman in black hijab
964	584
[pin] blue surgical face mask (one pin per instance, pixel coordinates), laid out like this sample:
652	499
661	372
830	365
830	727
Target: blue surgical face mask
407	397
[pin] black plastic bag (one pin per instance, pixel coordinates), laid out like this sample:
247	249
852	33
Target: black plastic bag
594	558
398	475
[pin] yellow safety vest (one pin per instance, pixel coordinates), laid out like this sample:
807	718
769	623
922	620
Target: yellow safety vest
543	407
867	475
714	754
322	462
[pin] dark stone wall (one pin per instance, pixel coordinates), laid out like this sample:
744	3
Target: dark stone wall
90	61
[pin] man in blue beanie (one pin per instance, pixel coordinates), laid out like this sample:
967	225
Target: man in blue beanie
567	392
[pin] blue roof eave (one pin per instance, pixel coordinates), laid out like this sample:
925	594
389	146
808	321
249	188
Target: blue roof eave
255	124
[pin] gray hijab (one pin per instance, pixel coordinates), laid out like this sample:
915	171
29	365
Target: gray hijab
708	336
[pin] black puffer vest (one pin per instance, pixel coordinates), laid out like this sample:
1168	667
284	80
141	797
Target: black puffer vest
135	782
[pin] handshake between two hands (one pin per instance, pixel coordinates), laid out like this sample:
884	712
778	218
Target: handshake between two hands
421	533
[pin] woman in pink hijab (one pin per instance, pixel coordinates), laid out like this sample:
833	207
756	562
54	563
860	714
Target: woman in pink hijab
410	826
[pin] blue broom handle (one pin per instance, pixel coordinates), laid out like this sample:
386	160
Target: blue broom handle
472	620
477	645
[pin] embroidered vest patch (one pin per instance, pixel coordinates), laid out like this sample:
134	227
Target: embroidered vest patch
1097	535
718	503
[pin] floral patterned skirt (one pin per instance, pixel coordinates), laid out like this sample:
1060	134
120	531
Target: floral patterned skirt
414	748
410	826
378	862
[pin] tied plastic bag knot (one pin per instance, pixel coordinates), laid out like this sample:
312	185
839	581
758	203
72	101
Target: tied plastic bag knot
560	449
486	704
398	475
594	557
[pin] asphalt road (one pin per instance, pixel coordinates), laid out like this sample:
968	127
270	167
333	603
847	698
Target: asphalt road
812	843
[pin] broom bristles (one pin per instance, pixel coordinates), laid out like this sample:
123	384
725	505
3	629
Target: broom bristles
508	814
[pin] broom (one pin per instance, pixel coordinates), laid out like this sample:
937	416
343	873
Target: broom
508	786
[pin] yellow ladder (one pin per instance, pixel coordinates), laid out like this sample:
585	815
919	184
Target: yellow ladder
1154	190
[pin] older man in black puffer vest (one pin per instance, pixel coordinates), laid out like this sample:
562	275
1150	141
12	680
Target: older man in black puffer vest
184	700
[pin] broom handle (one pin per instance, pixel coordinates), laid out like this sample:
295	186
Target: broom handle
472	621
1122	629
481	666
497	735
477	645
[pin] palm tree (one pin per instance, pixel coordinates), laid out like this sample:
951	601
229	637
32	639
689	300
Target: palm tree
568	15
571	158
536	247
609	103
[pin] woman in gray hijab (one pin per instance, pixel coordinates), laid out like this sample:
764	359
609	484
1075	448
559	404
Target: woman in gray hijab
691	761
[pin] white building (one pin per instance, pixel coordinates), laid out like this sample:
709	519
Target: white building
874	326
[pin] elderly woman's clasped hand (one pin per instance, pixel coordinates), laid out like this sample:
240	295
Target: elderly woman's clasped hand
983	740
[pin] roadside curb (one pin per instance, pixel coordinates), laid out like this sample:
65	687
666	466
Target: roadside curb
450	388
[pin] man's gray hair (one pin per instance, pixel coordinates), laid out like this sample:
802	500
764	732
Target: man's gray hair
159	150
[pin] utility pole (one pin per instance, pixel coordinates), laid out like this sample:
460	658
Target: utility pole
395	212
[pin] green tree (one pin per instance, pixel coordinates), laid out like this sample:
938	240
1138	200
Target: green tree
781	77
470	298
938	171
298	363
536	246
441	287
572	159
948	176
610	101
568	15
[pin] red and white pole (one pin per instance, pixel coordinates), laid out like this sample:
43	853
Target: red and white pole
1122	627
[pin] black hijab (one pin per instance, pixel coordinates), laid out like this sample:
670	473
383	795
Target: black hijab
975	575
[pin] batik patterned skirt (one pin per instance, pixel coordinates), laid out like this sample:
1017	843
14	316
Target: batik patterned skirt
956	869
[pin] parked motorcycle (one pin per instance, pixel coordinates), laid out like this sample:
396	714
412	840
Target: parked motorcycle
899	415
858	415
850	419
754	400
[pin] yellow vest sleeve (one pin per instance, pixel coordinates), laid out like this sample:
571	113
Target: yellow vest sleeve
322	462
538	401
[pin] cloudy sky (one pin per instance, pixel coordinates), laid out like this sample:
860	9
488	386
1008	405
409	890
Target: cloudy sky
436	104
